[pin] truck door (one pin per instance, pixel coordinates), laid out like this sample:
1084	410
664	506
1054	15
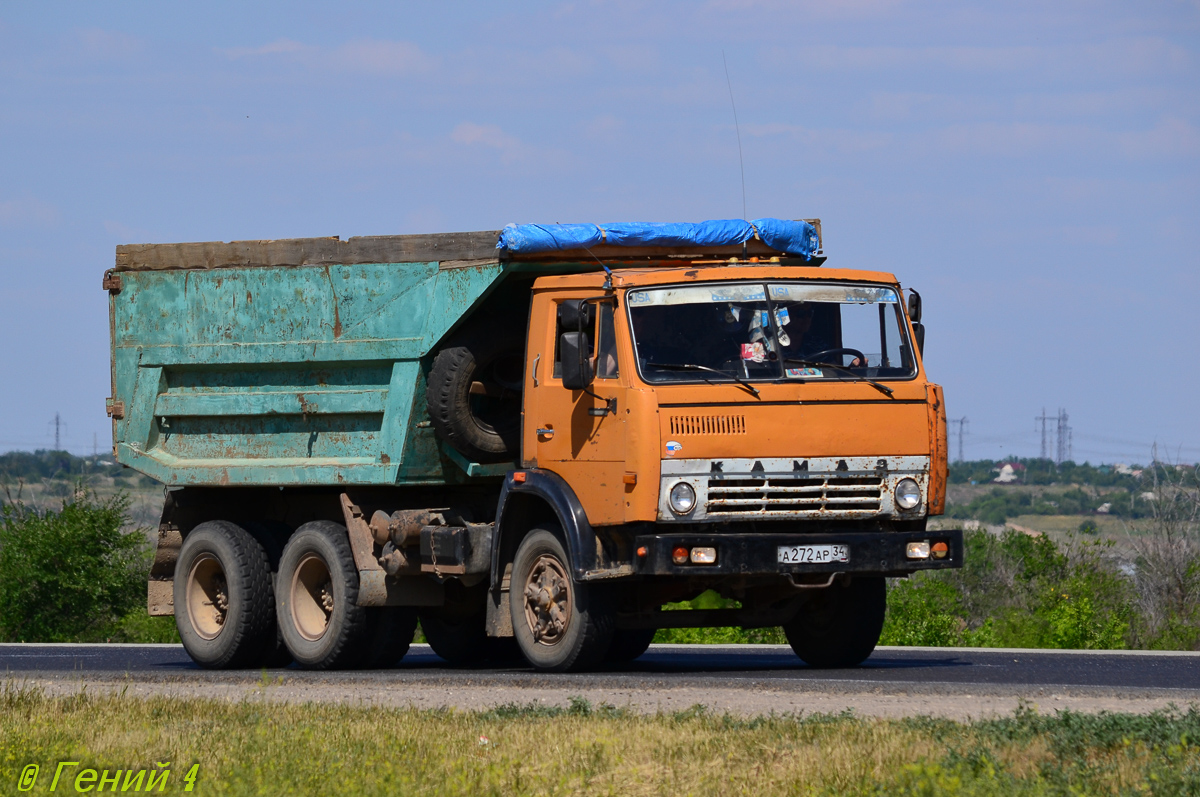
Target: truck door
576	433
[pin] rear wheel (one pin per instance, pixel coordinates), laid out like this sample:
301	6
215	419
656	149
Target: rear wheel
840	625
457	631
322	625
559	624
272	537
223	597
389	634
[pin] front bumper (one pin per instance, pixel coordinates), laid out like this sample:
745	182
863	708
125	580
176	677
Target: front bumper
877	553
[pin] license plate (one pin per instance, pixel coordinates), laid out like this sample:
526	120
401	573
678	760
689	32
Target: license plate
813	554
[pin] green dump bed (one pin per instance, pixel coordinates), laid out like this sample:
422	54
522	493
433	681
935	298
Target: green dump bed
293	362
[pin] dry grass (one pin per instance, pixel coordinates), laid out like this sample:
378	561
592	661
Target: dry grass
255	747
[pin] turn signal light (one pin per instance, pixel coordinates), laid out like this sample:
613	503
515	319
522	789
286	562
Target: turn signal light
680	555
940	550
917	550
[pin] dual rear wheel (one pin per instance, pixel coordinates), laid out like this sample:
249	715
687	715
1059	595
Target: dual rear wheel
237	606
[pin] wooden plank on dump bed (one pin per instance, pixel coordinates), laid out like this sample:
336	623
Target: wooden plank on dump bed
310	251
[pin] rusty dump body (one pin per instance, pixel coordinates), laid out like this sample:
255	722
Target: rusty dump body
765	415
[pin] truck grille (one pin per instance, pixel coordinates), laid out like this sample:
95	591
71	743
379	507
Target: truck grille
786	495
707	424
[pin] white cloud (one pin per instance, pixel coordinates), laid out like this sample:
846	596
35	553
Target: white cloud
383	57
490	136
1011	139
814	9
127	234
277	47
1090	235
27	212
105	44
1118	57
605	126
372	56
1169	138
825	139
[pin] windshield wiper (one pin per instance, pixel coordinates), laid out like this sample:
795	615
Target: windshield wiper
694	367
843	369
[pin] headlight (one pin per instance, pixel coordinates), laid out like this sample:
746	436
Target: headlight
683	498
908	494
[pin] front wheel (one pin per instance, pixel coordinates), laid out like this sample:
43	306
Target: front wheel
560	625
840	625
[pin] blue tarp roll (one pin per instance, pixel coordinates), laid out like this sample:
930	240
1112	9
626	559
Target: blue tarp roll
797	238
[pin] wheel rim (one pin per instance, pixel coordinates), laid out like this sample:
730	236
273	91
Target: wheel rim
547	600
311	597
207	596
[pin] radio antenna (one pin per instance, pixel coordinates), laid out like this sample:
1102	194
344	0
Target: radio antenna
738	130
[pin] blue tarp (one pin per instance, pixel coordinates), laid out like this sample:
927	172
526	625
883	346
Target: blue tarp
797	238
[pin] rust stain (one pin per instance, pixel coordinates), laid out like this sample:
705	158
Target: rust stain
249	298
337	320
385	459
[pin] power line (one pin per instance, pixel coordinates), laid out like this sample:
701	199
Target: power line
58	424
738	129
1045	438
962	425
1063	433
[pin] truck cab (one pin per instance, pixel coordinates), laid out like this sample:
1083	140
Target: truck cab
758	431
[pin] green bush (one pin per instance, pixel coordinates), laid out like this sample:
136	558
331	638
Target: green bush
716	636
1016	590
923	612
71	575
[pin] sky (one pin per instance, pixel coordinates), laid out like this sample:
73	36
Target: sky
1032	168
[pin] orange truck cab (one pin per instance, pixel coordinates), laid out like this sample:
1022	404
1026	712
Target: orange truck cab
528	440
766	432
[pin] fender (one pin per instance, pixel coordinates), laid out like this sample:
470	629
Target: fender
554	490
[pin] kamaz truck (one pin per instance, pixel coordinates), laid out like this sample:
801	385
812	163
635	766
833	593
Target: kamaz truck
528	440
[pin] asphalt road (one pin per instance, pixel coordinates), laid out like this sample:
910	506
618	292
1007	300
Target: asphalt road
906	670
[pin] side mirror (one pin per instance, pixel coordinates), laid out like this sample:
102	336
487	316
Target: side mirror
914	306
576	351
575	315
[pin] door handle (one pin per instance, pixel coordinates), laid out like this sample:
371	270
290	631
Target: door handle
547	432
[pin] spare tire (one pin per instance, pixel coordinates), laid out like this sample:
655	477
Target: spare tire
474	396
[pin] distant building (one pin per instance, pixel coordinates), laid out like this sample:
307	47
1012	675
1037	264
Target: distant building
1009	472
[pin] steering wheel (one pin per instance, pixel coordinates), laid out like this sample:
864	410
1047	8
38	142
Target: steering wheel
821	355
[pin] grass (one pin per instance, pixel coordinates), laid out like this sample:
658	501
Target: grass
255	747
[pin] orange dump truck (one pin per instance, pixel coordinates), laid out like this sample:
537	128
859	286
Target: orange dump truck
529	440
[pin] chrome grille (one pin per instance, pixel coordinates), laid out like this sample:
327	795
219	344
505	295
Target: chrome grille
793	495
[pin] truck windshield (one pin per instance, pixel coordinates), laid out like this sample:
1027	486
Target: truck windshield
783	331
